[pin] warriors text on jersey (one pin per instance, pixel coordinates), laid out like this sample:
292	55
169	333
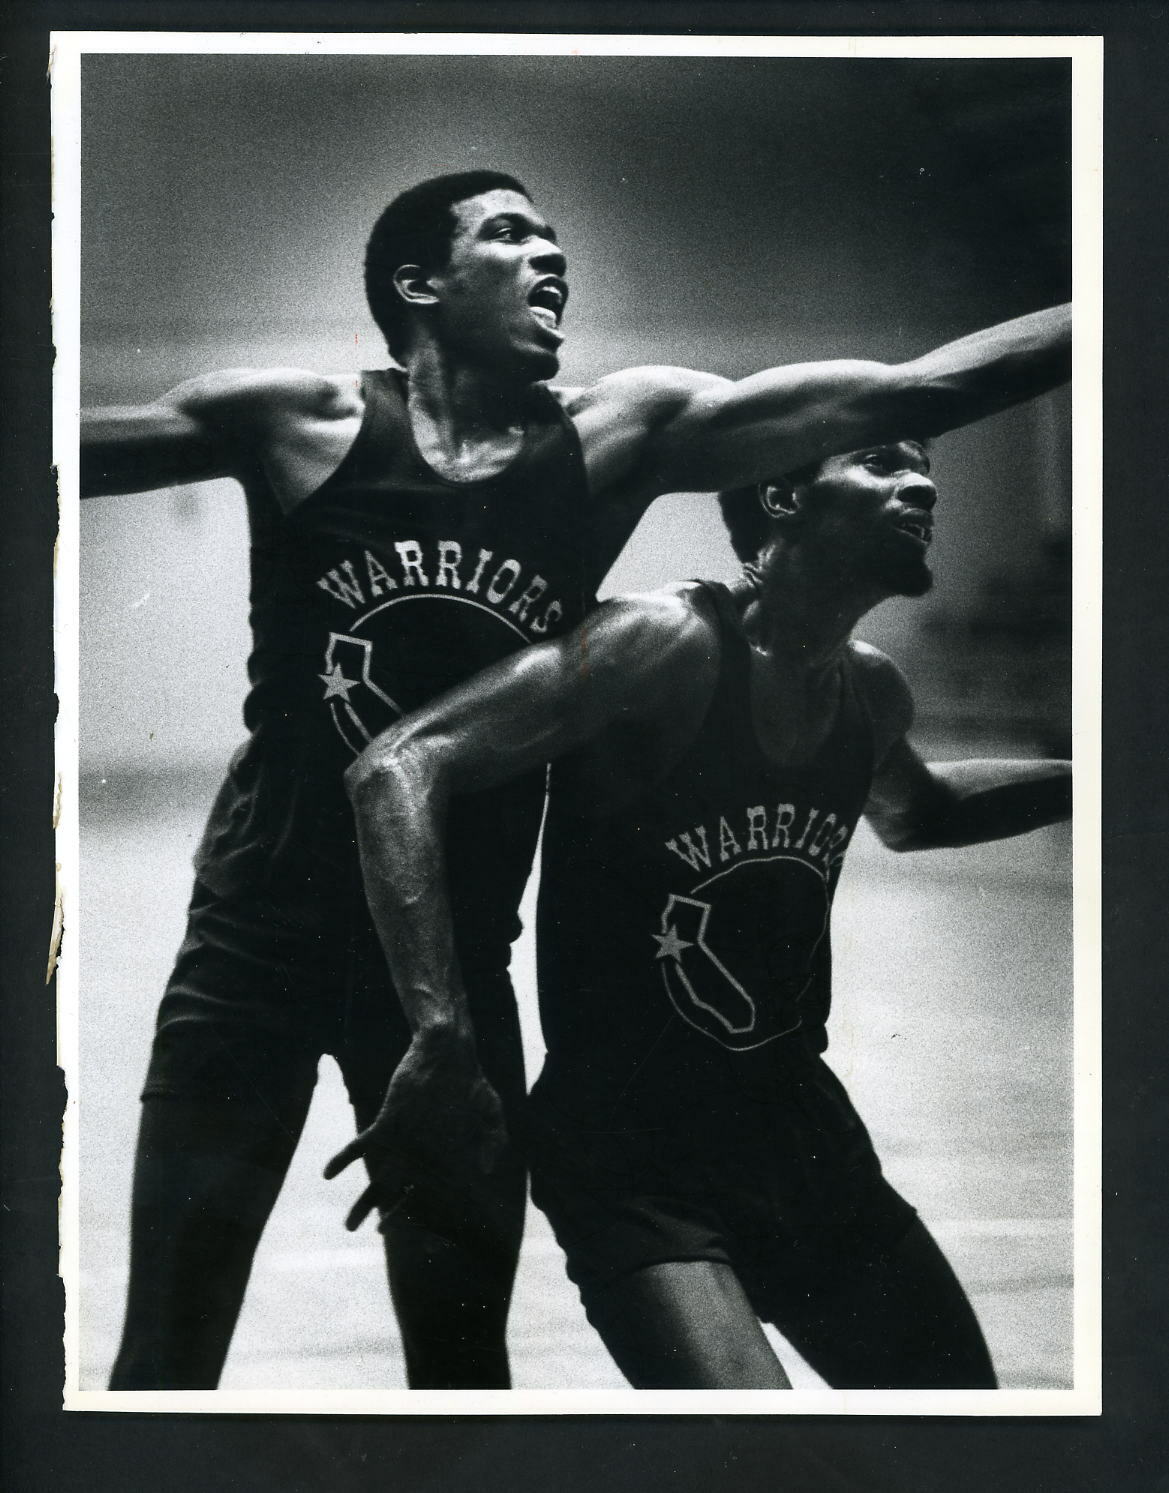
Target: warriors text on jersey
384	587
684	938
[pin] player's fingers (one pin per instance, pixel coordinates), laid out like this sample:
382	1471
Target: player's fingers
344	1157
361	1210
374	1195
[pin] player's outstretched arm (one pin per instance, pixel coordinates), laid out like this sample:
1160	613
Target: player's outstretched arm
137	448
917	805
217	425
722	434
440	1116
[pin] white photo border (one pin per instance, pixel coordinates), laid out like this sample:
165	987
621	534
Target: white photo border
1086	54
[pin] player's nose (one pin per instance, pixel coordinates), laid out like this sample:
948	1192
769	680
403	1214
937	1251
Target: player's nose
918	492
548	258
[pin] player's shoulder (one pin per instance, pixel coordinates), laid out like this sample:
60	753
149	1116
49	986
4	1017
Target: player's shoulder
883	687
680	605
655	390
258	392
668	632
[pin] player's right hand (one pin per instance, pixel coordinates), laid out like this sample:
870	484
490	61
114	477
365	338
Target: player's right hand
435	1145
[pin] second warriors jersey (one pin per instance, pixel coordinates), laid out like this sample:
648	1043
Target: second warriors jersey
685	952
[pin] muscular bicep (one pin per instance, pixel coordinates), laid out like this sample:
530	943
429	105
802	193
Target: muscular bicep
903	792
217	425
784	418
624	663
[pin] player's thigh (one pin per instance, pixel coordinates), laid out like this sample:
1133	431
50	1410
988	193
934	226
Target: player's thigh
684	1324
234	1058
899	1319
243	1017
205	1156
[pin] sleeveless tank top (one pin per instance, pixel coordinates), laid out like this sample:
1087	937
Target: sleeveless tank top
386	586
684	951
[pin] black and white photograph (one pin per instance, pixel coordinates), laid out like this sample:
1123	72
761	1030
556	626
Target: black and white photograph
577	601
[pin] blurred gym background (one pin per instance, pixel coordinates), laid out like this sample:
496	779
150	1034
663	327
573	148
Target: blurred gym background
720	214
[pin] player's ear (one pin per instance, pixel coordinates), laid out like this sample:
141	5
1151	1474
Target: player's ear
413	286
780	499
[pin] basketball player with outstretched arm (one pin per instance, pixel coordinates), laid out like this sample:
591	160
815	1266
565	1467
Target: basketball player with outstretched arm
713	749
409	526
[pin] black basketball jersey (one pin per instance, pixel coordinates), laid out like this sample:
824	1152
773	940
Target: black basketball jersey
386	586
684	950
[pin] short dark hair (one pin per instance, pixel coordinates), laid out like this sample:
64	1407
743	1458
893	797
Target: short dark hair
417	228
746	518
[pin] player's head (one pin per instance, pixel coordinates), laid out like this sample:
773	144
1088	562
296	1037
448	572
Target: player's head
468	260
864	516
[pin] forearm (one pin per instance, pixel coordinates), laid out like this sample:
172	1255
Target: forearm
139	450
980	800
400	811
984	373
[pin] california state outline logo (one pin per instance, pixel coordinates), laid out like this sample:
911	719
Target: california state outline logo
436	616
739	951
378	672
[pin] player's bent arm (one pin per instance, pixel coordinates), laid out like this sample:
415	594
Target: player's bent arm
628	660
724	435
917	805
440	1117
208	427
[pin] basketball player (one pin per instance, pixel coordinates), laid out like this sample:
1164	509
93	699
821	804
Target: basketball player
408	527
713	751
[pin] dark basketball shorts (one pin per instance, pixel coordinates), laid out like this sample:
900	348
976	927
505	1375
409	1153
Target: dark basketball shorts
263	987
790	1194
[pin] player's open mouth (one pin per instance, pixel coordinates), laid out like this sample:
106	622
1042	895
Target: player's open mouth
917	526
547	298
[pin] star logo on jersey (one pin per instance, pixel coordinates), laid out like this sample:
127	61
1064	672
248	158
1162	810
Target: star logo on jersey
670	946
360	719
336	685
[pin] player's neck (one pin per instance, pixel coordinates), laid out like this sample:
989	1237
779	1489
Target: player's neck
465	402
802	618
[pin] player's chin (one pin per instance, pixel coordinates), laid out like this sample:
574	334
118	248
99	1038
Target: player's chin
907	576
917	582
543	363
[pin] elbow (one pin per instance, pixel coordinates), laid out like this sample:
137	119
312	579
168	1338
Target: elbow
900	840
396	779
901	833
371	776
